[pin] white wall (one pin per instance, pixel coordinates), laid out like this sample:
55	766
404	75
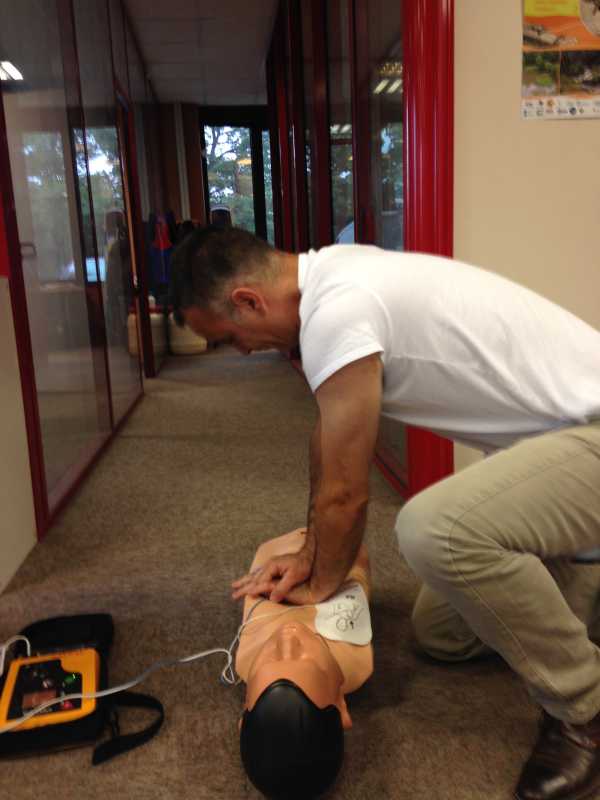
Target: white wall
17	518
527	193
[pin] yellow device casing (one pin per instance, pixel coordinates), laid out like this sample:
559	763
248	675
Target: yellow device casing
86	662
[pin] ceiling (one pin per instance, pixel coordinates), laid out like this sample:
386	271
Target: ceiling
210	52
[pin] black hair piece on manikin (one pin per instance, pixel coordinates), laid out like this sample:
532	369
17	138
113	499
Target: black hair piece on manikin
291	748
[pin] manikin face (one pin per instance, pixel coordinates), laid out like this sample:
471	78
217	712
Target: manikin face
298	654
257	323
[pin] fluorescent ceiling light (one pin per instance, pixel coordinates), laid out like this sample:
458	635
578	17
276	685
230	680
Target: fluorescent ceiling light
394	86
381	86
9	72
345	128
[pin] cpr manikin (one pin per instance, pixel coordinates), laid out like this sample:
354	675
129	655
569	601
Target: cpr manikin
298	666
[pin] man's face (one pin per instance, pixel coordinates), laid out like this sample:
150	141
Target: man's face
249	332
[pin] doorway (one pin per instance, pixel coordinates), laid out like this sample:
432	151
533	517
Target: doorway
237	165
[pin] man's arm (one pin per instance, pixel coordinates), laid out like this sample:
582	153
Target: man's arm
341	452
342	449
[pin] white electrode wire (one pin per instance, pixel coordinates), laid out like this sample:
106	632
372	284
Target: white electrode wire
4	649
228	675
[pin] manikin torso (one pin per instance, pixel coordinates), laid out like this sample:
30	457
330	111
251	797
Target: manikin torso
355	661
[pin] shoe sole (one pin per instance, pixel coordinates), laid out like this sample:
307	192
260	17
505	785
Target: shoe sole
589	792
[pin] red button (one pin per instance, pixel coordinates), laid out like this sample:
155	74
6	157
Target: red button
66	704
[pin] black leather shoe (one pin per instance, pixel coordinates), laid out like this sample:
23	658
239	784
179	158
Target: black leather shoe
564	764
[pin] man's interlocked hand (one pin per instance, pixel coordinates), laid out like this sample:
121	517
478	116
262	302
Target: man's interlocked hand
277	578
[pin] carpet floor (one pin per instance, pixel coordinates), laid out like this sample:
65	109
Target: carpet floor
213	461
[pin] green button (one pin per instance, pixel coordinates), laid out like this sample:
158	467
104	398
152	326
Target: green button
70	678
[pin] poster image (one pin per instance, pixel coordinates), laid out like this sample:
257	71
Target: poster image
561	59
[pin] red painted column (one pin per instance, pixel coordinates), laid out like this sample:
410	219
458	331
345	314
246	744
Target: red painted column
428	171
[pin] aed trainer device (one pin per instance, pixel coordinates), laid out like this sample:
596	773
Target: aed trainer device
34	680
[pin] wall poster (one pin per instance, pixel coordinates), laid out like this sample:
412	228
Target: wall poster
561	59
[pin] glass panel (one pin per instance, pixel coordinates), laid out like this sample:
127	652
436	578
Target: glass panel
385	55
108	202
229	166
340	116
42	147
387	192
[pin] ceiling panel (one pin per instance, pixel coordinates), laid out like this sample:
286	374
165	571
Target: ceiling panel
205	51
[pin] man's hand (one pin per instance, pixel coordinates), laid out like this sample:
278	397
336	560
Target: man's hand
277	577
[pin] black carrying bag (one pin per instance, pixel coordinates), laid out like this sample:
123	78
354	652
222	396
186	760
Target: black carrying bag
68	633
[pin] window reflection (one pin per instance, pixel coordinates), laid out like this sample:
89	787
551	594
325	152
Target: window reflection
107	192
47	190
340	115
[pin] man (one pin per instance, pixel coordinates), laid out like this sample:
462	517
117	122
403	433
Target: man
474	357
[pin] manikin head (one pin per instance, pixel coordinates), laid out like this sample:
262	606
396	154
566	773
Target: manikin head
232	287
291	732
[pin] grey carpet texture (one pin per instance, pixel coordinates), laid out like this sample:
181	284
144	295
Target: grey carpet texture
213	461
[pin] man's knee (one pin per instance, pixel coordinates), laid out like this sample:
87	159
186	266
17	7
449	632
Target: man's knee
419	534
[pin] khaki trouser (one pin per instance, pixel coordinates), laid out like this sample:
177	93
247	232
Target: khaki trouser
493	545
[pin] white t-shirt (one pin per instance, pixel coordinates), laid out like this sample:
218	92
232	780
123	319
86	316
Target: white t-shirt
466	353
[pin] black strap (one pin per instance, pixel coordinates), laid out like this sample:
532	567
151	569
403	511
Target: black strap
122	743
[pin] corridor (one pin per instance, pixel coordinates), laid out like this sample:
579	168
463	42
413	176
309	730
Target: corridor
213	461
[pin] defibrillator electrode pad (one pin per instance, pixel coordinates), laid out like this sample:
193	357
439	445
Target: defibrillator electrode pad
345	617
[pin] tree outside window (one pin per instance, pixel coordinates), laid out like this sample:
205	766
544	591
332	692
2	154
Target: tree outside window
229	162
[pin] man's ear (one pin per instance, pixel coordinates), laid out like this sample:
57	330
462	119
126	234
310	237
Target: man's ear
245	299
